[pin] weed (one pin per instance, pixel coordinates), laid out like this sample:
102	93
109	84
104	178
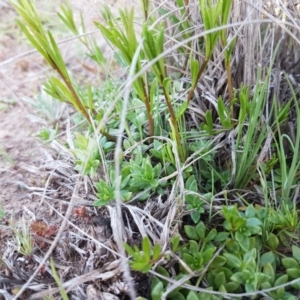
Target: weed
23	239
63	293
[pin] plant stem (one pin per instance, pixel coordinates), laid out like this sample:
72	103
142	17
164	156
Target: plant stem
149	114
174	124
192	90
78	102
229	83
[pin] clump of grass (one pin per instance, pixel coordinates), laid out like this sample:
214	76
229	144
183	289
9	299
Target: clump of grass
23	239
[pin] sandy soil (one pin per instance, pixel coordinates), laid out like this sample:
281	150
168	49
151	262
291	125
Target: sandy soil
18	148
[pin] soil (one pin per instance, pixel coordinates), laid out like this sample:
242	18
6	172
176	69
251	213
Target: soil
19	150
25	165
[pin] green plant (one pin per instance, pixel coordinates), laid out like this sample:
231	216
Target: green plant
289	172
61	88
285	220
63	293
292	265
123	37
143	260
87	154
106	191
47	135
246	270
144	175
47	110
270	256
242	225
193	200
275	280
22	238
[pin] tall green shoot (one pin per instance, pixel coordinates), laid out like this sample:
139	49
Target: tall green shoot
44	42
123	37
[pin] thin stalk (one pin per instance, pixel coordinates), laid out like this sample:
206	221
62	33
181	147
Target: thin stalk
192	90
174	124
79	103
74	94
229	84
149	115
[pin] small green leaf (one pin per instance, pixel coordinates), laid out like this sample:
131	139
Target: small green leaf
176	296
253	222
289	262
250	211
221	236
228	273
195	67
237	277
141	266
192	296
220	279
224	114
293	272
209	121
231	286
161	270
249	287
211	235
129	250
194	248
243	240
100	203
191	184
126	144
296	285
201	229
281	280
269	271
208	254
191	233
296	252
146	246
250	255
232	246
219	261
195	215
175	242
183	107
188	259
272	241
156	252
157	291
232	260
268	257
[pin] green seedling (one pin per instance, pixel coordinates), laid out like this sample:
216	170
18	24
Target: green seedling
87	155
242	225
22	238
193	200
62	291
144	259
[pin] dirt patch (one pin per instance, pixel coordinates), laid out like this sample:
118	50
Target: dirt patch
19	151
